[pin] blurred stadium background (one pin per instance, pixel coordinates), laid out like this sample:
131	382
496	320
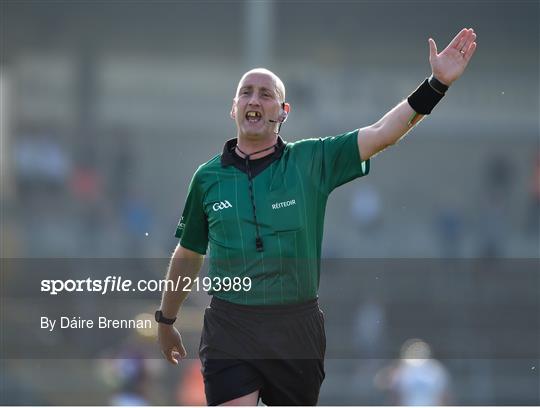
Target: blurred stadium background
107	108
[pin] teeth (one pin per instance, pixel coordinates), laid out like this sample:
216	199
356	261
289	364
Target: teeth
253	114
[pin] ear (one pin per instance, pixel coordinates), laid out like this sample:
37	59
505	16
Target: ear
287	107
233	109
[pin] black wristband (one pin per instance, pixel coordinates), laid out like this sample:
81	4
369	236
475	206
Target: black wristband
437	85
162	319
424	98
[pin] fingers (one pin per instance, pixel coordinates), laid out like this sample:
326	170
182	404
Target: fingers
470	51
465	41
455	42
172	355
470	41
175	356
432	48
462	41
168	354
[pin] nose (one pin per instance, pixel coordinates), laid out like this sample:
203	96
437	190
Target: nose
254	100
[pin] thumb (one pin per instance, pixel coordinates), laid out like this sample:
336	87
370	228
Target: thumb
177	353
175	356
432	48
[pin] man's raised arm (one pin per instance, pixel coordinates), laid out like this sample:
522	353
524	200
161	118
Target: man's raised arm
446	67
184	263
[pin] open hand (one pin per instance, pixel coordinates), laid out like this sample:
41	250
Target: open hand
449	64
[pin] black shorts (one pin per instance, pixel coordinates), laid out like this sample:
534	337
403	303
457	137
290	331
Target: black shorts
278	350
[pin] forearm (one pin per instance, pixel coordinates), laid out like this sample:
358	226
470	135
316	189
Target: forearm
387	130
184	263
397	122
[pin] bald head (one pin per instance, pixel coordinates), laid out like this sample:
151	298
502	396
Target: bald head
279	87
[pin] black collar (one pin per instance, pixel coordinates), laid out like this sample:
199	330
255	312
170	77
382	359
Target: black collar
230	157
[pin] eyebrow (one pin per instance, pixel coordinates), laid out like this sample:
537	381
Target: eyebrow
263	88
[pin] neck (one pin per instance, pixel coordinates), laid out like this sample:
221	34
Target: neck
251	146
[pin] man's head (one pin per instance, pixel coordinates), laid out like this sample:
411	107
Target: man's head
260	99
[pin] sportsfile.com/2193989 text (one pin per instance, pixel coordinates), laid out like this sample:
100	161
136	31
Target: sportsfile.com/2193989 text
118	284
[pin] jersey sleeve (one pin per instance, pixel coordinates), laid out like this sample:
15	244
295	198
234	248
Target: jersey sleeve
192	228
340	160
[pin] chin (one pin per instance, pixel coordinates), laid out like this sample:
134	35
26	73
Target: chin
251	134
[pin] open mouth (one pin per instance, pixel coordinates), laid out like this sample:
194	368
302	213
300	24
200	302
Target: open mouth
253	116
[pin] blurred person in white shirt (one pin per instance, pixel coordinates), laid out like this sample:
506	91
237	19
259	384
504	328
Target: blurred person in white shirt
416	379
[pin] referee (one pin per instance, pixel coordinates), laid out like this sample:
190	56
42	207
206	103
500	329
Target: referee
259	207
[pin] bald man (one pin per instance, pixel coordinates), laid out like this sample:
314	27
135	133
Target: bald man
259	207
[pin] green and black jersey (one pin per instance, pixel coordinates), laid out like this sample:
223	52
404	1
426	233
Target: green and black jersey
289	200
